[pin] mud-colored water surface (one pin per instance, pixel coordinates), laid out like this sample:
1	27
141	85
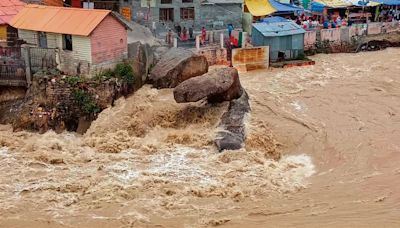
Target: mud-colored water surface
323	149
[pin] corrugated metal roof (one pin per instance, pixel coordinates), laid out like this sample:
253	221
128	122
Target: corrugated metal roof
335	3
278	28
222	2
363	3
280	7
59	19
389	2
259	7
8	9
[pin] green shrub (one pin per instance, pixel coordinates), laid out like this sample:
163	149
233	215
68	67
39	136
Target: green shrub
125	72
85	101
73	80
122	71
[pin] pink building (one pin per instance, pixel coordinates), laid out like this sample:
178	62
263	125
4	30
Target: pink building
87	40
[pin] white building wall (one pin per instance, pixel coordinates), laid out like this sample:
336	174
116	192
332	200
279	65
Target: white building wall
81	48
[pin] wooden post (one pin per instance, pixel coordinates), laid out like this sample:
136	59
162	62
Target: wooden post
175	42
198	42
211	37
27	59
244	39
222	40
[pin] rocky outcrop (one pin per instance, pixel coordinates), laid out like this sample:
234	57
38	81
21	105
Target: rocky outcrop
375	45
176	66
231	135
141	57
61	103
218	85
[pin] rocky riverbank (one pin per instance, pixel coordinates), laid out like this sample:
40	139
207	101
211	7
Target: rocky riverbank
61	102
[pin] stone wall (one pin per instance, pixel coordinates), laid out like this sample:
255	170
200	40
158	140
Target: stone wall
212	16
215	55
218	16
72	66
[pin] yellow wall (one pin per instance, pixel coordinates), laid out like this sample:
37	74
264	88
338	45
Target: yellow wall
3	32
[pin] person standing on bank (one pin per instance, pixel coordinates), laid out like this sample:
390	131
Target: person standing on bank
178	30
191	32
203	35
184	36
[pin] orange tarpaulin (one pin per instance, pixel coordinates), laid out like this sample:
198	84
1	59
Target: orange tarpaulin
259	7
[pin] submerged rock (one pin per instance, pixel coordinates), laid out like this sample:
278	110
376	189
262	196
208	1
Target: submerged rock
176	66
218	85
231	135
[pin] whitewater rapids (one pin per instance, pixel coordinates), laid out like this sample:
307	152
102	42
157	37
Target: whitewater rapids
323	149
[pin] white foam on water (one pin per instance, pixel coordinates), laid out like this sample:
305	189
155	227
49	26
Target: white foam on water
178	166
303	164
175	165
123	172
4	152
296	105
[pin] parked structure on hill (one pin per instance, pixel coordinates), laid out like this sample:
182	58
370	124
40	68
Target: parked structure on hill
86	40
212	14
285	39
8	9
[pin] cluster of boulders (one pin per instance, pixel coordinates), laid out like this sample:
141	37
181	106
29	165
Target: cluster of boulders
176	66
192	81
218	85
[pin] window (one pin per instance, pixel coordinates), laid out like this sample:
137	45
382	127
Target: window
42	39
166	1
187	13
187	1
167	14
67	42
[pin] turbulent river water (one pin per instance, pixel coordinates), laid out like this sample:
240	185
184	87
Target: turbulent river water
323	149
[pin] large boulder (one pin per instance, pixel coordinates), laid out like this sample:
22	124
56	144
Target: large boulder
176	66
220	84
141	58
232	135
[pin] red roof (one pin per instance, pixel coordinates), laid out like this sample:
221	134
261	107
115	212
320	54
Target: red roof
8	9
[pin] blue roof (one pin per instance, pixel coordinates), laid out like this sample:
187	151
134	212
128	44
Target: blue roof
280	7
274	19
317	7
388	2
286	28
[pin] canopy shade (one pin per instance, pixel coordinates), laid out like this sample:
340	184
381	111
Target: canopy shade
280	7
259	7
334	3
389	2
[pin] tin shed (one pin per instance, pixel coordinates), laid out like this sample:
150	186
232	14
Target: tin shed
285	39
87	40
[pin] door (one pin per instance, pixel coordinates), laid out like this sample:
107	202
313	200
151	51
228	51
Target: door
42	39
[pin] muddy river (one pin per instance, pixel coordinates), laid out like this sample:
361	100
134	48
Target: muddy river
323	150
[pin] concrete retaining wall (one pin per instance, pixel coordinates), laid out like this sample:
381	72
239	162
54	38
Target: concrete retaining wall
245	59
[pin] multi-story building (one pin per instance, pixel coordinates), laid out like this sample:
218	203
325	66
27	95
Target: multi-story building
212	14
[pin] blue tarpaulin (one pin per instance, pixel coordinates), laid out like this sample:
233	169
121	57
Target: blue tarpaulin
284	28
317	7
389	2
280	7
273	19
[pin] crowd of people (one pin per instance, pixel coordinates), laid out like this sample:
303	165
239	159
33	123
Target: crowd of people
329	21
185	34
389	13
